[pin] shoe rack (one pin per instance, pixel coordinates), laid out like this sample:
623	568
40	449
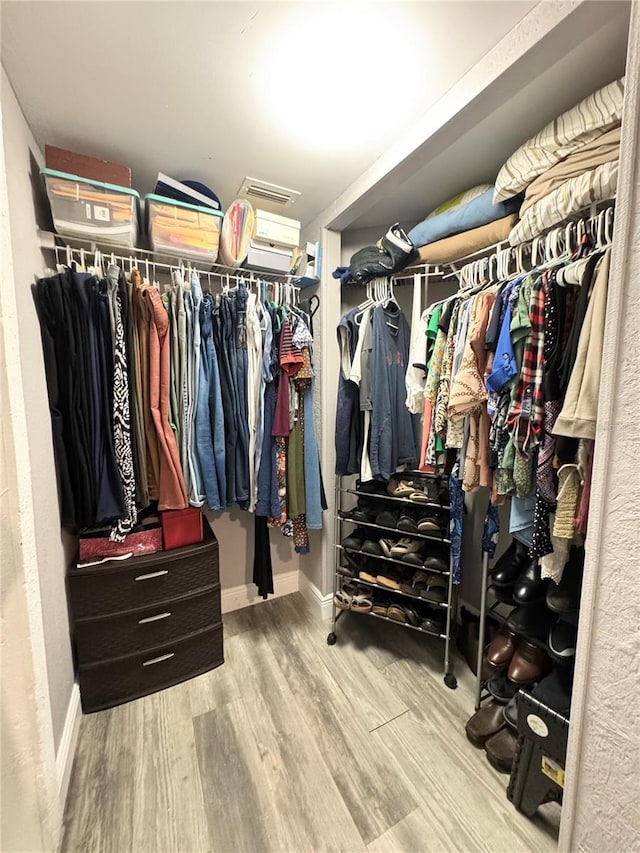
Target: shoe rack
434	614
498	605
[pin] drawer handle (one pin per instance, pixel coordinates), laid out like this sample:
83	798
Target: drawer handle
158	660
153	618
152	575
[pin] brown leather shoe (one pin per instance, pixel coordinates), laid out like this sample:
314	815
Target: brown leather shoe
501	750
488	720
501	649
529	663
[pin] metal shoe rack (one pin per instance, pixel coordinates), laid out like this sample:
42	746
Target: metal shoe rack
342	518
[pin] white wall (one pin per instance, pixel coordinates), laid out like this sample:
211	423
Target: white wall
23	158
31	811
601	810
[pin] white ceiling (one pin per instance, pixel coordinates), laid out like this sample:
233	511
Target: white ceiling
306	95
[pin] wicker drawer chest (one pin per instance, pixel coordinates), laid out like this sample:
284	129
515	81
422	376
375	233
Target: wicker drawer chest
143	624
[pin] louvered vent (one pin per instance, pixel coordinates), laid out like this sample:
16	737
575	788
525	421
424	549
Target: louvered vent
268	195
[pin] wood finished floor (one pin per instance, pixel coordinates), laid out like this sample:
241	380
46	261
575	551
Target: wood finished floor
293	746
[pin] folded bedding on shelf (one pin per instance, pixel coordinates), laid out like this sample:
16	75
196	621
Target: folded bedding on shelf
605	149
459	200
572	196
461	245
569	132
479	211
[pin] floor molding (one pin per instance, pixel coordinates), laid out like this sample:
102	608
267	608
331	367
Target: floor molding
67	746
322	603
238	597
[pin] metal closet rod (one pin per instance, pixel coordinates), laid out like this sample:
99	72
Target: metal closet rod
145	258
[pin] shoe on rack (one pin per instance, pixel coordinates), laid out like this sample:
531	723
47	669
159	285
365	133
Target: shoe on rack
530	586
413	617
531	620
414	559
396	612
510	564
407	522
386	545
554	691
436	590
381	605
529	663
502	689
368	570
510	712
501	750
387	518
429	524
434	621
565	597
486	722
503	594
502	648
363	516
404	546
562	641
371	548
390	579
399	487
435	564
354	541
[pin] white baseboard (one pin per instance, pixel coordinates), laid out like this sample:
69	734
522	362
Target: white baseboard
242	596
67	745
323	604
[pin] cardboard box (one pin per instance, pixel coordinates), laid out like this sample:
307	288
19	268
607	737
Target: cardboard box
62	160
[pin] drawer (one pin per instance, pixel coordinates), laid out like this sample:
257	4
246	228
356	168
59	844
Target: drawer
102	639
103	685
142	581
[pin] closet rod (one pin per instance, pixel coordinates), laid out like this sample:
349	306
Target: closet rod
51	241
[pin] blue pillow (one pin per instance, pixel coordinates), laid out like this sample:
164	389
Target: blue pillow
479	211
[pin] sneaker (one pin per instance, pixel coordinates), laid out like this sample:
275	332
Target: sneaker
404	546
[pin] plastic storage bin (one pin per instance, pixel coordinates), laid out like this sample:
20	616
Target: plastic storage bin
181	527
263	257
92	210
183	229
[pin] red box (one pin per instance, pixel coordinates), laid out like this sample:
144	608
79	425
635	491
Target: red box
181	527
86	167
100	547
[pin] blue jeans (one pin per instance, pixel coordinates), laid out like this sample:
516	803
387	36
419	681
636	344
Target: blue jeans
312	475
210	427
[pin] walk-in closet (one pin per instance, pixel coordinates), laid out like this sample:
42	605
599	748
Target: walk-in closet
320	463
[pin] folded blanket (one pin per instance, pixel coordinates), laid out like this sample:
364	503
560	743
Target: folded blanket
567	133
574	195
461	245
480	211
605	149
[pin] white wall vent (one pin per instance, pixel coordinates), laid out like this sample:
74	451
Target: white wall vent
266	195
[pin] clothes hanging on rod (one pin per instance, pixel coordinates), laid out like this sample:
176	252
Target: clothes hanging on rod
168	395
492	369
512	385
375	433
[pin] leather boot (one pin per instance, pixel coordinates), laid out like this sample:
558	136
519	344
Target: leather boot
501	648
529	663
530	586
510	564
